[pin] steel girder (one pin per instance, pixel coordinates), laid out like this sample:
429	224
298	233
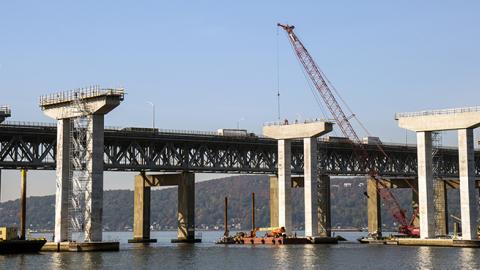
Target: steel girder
33	147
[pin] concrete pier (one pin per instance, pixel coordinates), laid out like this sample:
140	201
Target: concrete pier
284	186
186	208
273	180
92	103
186	205
63	180
468	194
141	211
464	120
374	208
309	132
324	207
441	209
23	205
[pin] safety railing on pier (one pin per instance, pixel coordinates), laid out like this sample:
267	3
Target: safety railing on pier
286	122
82	93
437	112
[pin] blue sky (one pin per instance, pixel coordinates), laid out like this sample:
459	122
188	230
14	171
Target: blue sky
207	64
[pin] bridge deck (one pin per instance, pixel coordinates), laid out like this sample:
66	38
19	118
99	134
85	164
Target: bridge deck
33	146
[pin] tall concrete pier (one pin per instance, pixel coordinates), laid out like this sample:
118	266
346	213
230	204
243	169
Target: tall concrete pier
186	205
309	132
92	103
464	120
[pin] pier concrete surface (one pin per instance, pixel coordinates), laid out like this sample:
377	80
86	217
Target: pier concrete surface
308	132
92	103
463	120
186	205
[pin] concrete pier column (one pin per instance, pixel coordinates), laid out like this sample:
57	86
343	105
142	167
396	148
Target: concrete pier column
416	220
310	186
323	207
186	207
273	201
94	189
441	210
468	194
23	204
374	208
62	180
0	185
284	186
425	184
141	212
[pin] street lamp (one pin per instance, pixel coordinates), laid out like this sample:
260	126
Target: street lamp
238	122
153	114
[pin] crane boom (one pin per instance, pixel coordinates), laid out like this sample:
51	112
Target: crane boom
324	89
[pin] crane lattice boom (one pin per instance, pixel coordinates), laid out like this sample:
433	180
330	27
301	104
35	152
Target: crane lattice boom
324	89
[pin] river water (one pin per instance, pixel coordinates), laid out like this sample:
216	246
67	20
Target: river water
207	255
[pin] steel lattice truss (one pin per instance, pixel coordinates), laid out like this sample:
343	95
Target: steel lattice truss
33	147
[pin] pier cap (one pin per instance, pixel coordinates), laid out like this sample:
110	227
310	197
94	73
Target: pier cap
297	130
436	120
80	102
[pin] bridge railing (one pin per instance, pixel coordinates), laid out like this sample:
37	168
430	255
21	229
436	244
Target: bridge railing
28	124
82	93
437	112
286	122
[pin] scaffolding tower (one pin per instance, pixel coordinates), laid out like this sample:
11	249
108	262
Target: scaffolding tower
80	177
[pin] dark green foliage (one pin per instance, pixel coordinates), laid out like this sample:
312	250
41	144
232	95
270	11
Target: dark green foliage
348	205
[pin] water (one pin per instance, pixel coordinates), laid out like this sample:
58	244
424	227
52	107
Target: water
207	255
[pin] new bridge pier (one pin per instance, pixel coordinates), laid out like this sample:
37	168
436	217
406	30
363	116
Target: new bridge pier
186	205
92	104
316	189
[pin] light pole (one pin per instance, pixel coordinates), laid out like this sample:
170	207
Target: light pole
153	114
238	122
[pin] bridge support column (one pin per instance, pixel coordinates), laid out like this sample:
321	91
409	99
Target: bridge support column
23	204
141	211
310	186
273	201
324	217
416	218
374	208
441	212
94	202
62	182
468	194
425	184
186	208
284	186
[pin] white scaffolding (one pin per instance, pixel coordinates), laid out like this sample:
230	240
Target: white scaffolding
80	177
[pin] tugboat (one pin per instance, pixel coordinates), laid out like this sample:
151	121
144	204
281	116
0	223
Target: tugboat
10	243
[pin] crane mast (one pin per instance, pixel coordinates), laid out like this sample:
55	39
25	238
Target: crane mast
324	89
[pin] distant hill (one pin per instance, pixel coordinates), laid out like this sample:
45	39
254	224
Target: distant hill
348	205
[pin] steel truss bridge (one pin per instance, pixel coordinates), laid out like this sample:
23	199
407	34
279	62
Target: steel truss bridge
33	146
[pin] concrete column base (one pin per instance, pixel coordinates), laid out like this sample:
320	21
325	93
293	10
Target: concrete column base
324	217
374	208
186	208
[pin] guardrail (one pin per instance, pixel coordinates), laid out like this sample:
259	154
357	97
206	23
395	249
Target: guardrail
286	122
437	112
82	93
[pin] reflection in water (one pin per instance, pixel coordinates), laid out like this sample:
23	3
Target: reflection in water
309	257
280	255
424	256
468	259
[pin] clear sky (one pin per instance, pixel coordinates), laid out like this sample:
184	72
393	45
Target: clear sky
208	64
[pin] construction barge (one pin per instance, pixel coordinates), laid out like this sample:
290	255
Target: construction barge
273	235
11	243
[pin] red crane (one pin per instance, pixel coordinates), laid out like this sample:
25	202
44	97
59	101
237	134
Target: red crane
324	88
